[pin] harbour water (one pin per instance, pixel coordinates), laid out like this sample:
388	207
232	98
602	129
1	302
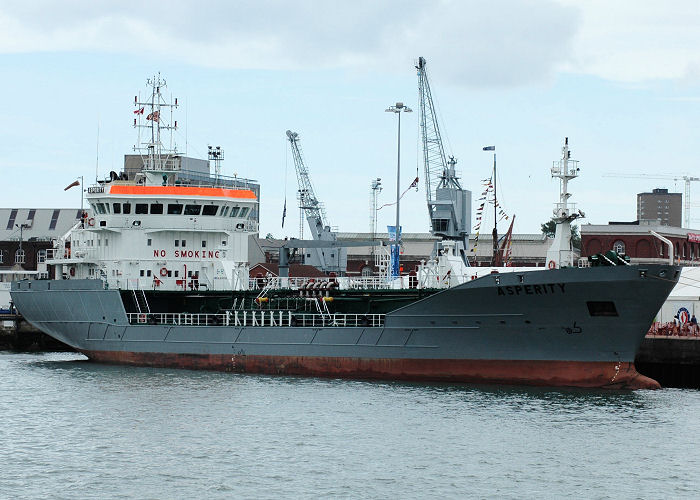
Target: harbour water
75	429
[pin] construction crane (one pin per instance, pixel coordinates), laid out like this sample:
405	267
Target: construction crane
449	205
686	194
328	259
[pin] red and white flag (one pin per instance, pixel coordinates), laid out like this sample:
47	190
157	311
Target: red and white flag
155	116
138	111
72	184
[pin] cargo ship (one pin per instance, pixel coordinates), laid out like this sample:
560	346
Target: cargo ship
156	273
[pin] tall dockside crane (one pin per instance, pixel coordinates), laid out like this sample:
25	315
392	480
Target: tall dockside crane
330	259
449	205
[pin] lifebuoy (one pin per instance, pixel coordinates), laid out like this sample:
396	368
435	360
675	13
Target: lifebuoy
163	271
91	221
552	264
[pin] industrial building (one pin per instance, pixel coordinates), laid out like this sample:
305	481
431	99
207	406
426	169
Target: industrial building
636	240
662	206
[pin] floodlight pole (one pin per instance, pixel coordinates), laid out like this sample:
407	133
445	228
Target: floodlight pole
398	108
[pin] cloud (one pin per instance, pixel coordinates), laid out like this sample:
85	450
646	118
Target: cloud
475	43
633	41
481	44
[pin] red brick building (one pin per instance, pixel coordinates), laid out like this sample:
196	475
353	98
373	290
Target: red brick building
635	240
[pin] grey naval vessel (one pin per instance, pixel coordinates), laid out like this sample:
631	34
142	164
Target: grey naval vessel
156	273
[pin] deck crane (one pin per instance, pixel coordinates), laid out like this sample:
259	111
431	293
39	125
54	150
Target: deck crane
327	259
449	205
686	195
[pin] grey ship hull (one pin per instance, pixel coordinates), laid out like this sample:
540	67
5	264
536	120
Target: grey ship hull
550	327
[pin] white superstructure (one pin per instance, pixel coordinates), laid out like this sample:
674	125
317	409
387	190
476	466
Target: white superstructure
166	237
154	231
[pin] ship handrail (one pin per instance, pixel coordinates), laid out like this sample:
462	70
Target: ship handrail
260	318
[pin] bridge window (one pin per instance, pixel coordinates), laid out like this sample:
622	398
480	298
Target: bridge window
126	208
174	209
210	209
234	211
193	209
224	212
101	208
117	208
244	211
141	208
156	208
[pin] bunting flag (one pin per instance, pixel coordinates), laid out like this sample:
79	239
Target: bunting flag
413	184
155	116
139	111
487	198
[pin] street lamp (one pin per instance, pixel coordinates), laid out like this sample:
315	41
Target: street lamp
398	108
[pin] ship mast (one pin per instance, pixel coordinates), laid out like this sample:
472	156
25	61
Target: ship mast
561	253
152	123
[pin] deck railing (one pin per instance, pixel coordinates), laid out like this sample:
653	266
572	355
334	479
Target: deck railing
258	318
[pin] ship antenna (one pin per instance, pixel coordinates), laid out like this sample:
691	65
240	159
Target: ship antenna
155	155
97	151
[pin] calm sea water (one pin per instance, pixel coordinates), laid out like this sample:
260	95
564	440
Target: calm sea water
75	429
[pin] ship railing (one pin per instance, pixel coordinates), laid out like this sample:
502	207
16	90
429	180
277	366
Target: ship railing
322	283
67	253
260	318
571	207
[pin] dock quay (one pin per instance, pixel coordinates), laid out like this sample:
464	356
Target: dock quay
670	354
16	334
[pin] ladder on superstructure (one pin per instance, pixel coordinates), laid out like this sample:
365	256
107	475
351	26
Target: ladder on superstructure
141	302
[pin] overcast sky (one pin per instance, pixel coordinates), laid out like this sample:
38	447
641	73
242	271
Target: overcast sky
620	78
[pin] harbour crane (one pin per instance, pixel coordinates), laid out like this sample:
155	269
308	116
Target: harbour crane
686	194
328	259
449	205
